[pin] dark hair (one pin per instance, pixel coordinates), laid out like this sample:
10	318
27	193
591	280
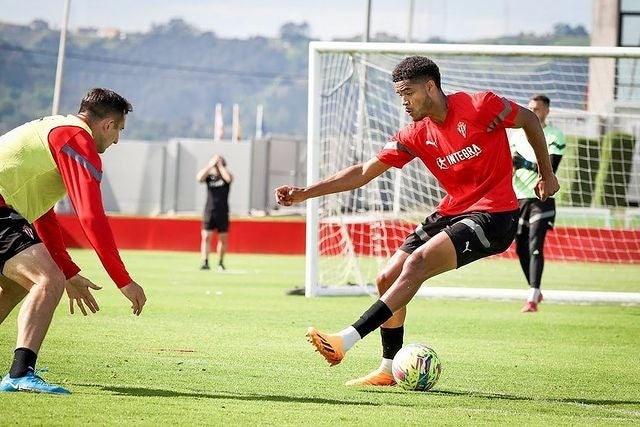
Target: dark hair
101	103
540	97
416	67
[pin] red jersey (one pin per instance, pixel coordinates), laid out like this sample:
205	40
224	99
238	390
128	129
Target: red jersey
80	167
468	154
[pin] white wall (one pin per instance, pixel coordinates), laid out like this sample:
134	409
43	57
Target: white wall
158	177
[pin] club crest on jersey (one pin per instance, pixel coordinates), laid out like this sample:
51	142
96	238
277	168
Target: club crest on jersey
28	231
462	129
466	153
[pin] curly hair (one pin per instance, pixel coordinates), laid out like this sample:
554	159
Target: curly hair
101	103
413	67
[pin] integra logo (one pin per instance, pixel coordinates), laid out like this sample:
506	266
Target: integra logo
458	156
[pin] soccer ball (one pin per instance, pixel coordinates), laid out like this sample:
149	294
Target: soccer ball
416	367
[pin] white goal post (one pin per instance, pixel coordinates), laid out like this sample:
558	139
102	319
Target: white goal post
353	110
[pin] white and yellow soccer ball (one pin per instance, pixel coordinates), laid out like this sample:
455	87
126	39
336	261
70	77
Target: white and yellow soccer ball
416	367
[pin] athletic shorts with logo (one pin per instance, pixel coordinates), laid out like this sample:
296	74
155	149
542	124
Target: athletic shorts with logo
474	235
16	235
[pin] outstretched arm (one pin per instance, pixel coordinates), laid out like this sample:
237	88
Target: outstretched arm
347	179
81	171
547	184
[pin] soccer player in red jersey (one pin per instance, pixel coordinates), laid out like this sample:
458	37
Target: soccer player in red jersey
40	162
461	139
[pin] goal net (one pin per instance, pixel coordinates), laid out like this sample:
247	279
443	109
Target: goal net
353	110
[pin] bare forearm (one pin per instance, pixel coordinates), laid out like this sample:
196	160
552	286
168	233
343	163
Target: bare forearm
547	184
202	174
536	138
347	179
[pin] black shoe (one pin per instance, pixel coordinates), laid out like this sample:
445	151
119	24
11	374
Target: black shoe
204	266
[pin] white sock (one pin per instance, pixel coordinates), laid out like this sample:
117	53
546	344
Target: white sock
535	294
385	365
349	337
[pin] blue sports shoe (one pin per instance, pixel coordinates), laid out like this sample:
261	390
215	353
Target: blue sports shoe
31	382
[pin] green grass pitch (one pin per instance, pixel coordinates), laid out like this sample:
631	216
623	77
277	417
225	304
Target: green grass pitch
228	348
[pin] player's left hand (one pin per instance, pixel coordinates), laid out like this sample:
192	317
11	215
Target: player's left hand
78	291
546	188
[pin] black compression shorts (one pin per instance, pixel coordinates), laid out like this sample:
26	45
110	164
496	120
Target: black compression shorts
475	235
16	235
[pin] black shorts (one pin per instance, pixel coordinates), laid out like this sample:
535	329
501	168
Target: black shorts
214	221
536	214
475	235
16	235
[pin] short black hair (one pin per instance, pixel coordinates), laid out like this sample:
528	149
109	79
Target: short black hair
540	97
413	67
102	103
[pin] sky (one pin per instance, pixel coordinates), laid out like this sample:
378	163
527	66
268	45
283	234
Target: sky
455	20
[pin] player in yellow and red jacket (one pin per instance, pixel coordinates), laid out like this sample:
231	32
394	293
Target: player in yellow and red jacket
40	162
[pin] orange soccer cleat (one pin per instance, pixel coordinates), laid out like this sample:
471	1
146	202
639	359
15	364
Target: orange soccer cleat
329	346
375	378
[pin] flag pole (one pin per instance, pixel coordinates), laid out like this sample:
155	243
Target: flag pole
57	87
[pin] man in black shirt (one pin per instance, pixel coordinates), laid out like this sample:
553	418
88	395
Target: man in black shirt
216	211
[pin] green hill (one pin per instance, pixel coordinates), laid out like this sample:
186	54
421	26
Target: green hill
174	75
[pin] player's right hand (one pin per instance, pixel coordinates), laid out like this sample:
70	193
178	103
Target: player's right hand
78	291
135	294
287	195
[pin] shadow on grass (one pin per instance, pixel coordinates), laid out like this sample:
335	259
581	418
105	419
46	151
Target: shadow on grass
504	396
155	392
